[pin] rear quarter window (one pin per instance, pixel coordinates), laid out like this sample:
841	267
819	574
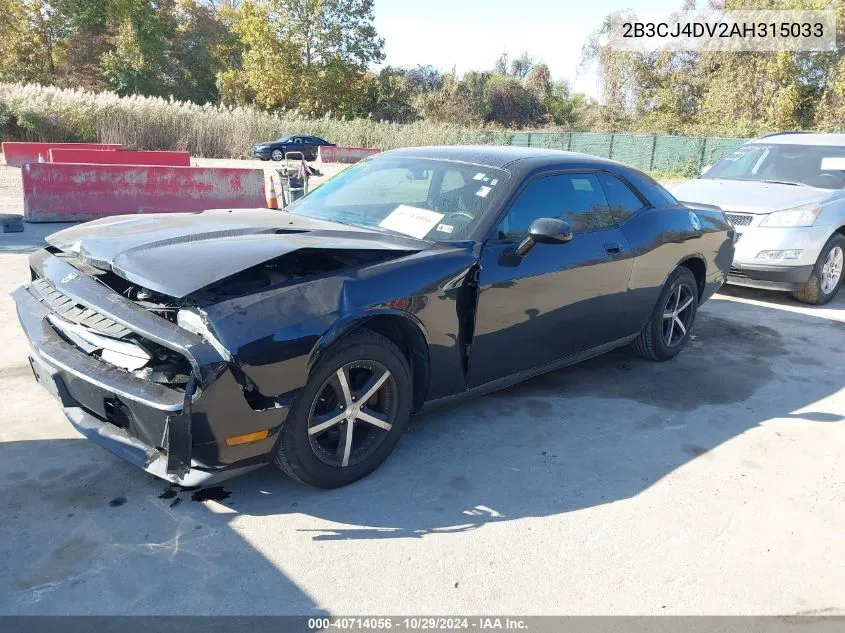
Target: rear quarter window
653	191
622	200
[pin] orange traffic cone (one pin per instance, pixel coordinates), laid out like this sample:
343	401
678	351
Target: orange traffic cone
270	193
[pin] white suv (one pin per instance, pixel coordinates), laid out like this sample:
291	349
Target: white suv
784	196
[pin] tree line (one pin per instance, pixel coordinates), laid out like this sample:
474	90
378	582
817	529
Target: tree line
719	92
312	56
316	58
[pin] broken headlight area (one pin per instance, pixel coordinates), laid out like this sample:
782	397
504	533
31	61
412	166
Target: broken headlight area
166	367
141	357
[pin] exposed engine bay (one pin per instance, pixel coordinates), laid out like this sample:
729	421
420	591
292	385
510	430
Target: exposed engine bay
100	337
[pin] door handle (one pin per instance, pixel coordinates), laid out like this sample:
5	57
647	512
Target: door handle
613	248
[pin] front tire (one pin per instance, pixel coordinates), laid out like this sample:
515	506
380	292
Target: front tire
277	155
350	415
826	277
668	329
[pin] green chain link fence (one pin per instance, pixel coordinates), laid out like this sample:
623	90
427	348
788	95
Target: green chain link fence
665	154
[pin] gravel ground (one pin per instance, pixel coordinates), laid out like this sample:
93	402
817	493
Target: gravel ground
711	484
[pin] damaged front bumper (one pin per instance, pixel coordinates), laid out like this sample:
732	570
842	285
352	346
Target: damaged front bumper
177	434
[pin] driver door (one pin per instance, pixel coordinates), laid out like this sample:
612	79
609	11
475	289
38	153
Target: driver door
558	299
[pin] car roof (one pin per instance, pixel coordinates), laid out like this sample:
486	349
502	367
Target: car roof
498	155
802	138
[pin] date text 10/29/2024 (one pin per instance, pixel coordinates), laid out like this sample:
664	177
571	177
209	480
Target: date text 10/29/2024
418	623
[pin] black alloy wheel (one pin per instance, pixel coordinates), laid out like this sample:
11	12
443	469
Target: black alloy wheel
353	413
678	313
668	328
350	414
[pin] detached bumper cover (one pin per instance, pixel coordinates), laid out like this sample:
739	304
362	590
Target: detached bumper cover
173	434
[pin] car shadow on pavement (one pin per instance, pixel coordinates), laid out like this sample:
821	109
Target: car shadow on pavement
595	433
86	533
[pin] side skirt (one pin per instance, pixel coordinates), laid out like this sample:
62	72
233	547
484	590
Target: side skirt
507	381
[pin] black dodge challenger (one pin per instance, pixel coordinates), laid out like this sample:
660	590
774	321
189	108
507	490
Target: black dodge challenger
199	346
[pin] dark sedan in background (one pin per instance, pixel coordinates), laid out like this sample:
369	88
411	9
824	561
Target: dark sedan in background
416	277
276	150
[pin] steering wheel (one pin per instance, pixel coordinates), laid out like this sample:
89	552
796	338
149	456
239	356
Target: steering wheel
469	218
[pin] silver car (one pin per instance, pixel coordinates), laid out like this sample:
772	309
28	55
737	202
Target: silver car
784	196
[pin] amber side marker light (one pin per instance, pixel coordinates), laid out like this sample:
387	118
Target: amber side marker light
247	438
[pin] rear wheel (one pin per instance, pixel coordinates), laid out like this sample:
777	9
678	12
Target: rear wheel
826	277
668	328
350	415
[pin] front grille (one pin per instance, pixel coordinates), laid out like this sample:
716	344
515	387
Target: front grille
739	219
69	309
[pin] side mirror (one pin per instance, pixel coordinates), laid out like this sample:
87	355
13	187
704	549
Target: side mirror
545	231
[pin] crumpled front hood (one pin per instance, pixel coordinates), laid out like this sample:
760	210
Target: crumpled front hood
179	253
747	196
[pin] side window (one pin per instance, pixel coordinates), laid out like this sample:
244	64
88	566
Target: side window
623	202
297	139
574	198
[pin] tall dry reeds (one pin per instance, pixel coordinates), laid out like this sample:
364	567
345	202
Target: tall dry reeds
46	113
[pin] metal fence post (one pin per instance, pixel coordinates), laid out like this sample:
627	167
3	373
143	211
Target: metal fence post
528	142
701	157
568	141
610	149
653	149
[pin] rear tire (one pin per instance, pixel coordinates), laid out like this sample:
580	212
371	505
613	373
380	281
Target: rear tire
821	287
323	458
669	326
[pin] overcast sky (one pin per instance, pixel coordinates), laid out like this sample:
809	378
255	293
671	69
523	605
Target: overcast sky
471	34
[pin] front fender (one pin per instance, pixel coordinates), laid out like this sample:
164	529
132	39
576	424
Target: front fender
349	322
277	335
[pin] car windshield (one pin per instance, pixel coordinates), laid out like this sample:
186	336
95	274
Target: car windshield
426	199
284	139
799	165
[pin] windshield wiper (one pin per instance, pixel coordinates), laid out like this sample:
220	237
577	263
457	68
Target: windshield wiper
786	182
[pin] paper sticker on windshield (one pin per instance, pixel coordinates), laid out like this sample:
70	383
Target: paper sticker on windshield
445	228
833	163
411	221
478	176
494	182
483	191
